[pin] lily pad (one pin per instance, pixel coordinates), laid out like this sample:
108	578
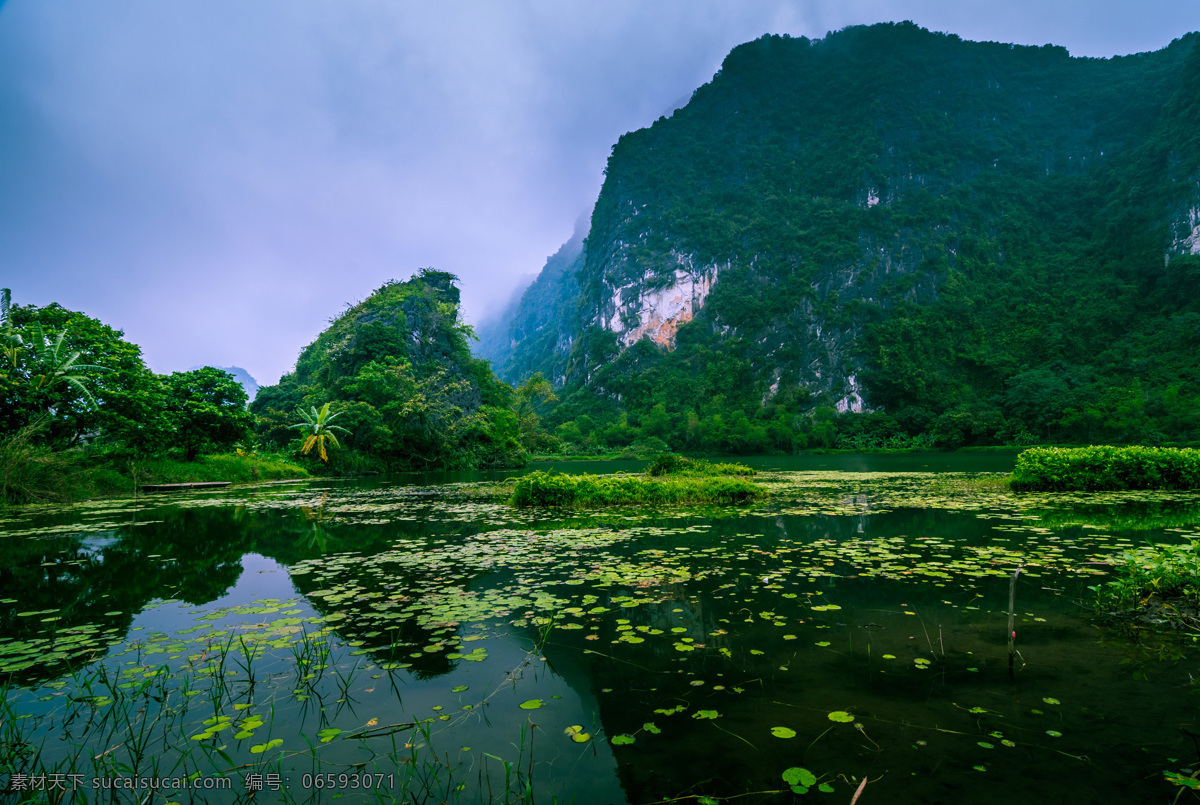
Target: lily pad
800	779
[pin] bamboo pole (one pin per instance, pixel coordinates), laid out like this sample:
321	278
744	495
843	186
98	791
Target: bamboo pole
1012	632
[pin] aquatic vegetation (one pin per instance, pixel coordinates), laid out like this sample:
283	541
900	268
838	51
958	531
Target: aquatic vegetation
589	491
1054	469
1156	582
852	620
674	464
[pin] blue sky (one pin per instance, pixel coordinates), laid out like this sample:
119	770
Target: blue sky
220	178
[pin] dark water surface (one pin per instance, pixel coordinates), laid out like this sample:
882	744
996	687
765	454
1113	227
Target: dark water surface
416	635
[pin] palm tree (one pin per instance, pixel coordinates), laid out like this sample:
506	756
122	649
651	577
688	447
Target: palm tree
318	430
52	366
10	342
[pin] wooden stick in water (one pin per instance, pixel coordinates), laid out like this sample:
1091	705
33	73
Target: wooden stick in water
1012	633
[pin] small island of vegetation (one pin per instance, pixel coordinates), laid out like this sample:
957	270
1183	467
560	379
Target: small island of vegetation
1103	469
669	479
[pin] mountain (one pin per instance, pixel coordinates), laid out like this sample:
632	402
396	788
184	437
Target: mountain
240	375
398	374
534	334
890	233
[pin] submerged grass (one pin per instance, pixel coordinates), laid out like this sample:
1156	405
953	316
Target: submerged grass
210	726
588	491
1097	469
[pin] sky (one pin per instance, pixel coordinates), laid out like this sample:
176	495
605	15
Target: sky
220	178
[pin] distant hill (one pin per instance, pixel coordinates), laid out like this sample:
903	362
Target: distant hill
240	375
984	242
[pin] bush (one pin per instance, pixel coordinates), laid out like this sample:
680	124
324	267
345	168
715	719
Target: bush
1094	469
586	491
1155	580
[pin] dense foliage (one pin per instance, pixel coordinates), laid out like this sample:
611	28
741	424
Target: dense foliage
106	396
987	244
1094	469
397	372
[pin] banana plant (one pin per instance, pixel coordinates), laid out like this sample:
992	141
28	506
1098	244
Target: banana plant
317	430
53	365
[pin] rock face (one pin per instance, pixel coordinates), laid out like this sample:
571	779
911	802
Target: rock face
817	189
656	312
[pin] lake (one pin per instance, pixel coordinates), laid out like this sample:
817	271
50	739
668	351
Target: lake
412	638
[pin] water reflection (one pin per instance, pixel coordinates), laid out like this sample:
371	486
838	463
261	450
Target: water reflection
690	636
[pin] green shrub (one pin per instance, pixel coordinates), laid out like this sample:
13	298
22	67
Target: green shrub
1094	469
587	491
1154	575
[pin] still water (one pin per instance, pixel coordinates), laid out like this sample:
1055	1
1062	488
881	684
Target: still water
415	639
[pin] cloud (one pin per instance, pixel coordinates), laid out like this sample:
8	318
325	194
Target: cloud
219	178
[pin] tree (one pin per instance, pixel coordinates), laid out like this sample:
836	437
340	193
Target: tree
52	365
536	389
49	344
317	430
207	410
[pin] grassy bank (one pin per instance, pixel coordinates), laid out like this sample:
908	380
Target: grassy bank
589	491
30	473
1096	469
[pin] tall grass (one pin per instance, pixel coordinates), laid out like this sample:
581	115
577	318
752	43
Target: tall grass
1095	469
31	473
219	467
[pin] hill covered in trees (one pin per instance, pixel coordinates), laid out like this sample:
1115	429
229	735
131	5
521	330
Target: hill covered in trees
399	375
888	237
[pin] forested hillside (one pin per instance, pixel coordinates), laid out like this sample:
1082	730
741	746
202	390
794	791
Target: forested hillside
890	236
398	374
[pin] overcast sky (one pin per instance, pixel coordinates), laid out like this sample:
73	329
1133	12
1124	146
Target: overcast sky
219	178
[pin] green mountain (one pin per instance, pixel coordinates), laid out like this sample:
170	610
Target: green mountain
535	333
885	236
398	373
